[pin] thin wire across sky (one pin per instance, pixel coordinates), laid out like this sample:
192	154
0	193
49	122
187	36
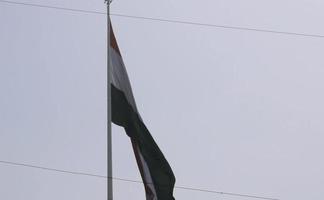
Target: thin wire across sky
129	180
238	28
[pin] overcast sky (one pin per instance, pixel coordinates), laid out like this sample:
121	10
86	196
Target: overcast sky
234	111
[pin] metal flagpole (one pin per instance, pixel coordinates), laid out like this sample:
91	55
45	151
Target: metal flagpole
109	137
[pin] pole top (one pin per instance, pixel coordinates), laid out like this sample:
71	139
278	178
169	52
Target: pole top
108	1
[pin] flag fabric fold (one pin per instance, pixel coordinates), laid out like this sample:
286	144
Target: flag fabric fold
156	172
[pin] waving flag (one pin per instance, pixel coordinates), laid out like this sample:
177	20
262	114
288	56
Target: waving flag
156	172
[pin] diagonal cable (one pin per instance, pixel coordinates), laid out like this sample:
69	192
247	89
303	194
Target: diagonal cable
129	180
168	20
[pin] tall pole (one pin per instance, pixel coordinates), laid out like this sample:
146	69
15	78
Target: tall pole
109	137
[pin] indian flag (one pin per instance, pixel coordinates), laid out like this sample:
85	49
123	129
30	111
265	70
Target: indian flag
156	172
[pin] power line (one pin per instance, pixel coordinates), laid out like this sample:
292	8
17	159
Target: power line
53	7
221	26
52	169
129	180
168	20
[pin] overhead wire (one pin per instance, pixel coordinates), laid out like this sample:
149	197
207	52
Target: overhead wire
239	28
53	7
129	180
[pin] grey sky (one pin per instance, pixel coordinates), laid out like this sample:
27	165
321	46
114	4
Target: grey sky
232	111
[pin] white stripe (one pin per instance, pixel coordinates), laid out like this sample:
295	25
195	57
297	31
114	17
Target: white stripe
146	175
120	78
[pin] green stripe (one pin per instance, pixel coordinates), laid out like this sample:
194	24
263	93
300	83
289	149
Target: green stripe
124	115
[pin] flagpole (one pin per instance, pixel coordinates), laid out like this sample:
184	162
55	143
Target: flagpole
109	137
